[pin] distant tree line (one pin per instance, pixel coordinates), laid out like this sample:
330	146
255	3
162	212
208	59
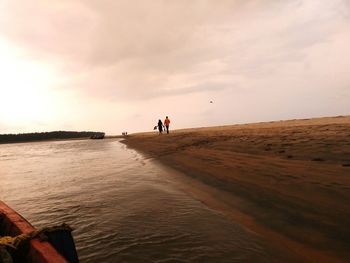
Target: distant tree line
43	136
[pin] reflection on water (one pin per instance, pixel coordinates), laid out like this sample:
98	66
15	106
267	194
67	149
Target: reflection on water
123	207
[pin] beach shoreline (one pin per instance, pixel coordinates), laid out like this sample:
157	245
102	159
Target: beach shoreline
287	181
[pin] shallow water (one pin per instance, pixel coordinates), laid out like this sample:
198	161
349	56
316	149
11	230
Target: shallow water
123	206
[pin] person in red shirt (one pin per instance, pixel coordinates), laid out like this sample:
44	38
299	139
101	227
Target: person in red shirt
166	123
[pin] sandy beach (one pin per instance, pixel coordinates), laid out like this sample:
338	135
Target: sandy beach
286	181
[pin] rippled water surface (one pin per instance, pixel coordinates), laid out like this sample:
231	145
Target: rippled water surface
123	207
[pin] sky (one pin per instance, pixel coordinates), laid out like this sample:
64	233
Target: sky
118	65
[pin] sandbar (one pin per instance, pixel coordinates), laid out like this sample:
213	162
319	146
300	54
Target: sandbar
286	181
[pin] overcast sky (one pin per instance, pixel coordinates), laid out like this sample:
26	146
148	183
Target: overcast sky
115	66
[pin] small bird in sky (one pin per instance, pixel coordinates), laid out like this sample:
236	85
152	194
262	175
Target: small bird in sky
211	101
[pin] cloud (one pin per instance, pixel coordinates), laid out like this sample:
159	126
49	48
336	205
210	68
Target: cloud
118	51
159	38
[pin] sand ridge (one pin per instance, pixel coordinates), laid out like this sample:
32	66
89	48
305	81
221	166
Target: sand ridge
289	181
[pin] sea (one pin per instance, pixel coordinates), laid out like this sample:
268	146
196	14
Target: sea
122	205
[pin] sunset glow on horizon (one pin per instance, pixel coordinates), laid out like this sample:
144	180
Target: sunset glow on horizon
117	66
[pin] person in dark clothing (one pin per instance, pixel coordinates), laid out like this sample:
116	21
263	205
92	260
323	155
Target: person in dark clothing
160	126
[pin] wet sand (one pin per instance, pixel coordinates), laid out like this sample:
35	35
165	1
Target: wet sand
287	181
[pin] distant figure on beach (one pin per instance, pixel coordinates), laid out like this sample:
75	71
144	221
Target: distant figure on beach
166	123
160	126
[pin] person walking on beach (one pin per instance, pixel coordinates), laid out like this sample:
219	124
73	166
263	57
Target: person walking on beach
166	123
160	126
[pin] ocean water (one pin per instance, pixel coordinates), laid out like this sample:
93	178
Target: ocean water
123	206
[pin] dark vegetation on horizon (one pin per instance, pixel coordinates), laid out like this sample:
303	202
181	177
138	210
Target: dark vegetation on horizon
43	136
